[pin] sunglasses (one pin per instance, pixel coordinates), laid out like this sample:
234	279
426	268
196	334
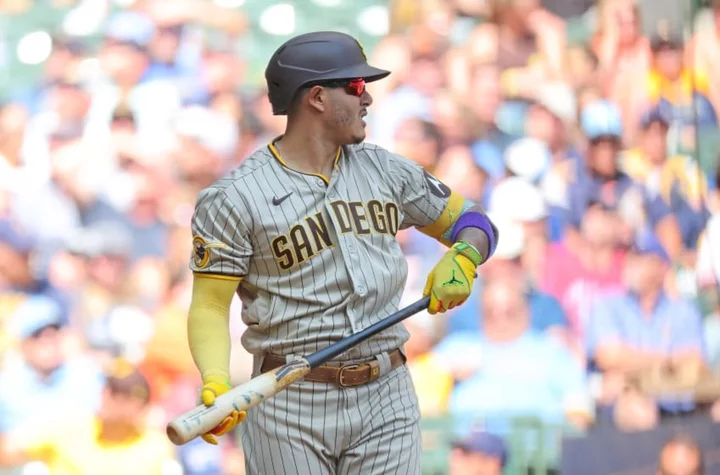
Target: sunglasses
354	87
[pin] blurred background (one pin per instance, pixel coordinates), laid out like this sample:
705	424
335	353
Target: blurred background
588	130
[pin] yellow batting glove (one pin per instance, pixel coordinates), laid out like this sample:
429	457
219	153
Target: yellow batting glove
215	385
451	280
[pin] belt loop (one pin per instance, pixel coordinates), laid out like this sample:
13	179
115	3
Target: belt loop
384	361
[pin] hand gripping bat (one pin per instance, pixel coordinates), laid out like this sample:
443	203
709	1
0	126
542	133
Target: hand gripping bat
202	419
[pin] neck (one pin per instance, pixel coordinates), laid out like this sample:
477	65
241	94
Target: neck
307	149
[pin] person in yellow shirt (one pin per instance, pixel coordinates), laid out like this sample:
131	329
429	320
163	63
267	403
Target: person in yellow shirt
670	78
677	179
114	441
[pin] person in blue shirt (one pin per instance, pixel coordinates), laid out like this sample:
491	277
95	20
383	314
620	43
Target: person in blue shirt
644	330
602	182
43	382
511	371
546	313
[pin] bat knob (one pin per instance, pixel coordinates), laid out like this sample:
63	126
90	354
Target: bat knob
174	435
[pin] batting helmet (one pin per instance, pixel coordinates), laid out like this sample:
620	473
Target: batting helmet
315	57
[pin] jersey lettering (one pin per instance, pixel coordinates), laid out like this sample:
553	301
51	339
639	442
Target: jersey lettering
342	214
359	219
308	238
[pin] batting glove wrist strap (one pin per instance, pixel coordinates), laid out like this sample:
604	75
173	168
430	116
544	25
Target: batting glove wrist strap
468	250
216	376
473	219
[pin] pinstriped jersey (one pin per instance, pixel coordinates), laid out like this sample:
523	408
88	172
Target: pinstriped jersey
316	258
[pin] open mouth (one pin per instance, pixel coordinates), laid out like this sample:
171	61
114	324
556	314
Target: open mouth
363	114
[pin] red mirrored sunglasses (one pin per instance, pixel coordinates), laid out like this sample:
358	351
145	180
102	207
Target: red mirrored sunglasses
354	87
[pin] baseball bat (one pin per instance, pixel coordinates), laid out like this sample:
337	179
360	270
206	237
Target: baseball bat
202	419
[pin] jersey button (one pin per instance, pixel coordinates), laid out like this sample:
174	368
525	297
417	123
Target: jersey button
351	248
361	291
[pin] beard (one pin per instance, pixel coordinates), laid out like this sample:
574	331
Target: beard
348	125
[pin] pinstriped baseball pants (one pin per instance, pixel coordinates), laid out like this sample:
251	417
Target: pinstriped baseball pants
321	429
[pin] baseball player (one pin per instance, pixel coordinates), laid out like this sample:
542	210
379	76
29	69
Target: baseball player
304	232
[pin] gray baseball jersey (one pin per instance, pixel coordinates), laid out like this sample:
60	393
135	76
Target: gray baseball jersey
318	258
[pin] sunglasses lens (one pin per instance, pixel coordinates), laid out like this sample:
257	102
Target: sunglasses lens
357	86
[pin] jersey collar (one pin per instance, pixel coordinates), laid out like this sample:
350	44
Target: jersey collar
276	153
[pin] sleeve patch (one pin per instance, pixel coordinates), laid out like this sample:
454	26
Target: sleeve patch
437	188
201	251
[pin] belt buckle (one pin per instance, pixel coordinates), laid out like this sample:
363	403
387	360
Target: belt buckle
342	370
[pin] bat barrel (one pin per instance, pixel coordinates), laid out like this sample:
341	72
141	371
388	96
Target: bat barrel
202	419
175	434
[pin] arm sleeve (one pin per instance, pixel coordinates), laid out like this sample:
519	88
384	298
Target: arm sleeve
208	324
221	237
427	203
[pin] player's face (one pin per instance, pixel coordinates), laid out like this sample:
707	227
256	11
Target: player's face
349	108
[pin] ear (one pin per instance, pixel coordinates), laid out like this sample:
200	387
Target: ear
318	97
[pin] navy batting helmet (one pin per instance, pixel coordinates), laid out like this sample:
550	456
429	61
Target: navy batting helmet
313	58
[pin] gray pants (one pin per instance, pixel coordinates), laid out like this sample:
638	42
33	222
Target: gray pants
321	429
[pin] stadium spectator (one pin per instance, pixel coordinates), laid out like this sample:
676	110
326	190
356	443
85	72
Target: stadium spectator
478	453
579	273
623	53
512	371
546	314
682	89
113	438
489	140
420	141
643	329
604	183
525	41
708	278
703	49
42	380
457	169
677	179
681	455
411	99
453	118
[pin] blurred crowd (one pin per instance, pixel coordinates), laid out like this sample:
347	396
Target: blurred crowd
583	127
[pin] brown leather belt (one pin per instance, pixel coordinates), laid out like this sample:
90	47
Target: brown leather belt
346	375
